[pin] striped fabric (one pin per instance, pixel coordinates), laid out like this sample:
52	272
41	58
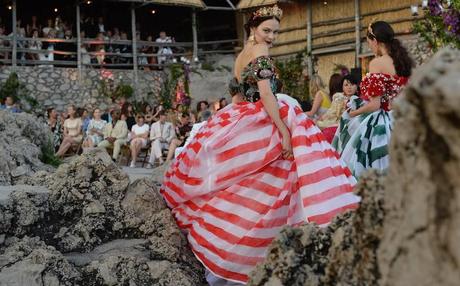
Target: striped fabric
347	125
232	192
368	146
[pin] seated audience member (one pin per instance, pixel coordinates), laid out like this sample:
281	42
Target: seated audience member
182	131
321	101
161	134
222	103
55	126
205	115
139	136
10	105
115	134
95	132
72	131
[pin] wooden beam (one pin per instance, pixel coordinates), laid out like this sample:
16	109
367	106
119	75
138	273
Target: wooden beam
195	37
79	42
357	34
134	40
15	36
309	38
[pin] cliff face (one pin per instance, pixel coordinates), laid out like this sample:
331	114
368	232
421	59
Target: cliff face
406	229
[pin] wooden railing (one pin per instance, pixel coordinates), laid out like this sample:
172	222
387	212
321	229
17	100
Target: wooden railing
86	54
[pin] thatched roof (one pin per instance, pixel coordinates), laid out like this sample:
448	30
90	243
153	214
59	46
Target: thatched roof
248	4
187	3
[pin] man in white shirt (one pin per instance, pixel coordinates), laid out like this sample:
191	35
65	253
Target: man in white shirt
164	52
161	134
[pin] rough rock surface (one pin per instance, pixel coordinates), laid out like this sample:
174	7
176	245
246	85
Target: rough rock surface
58	87
107	231
406	229
309	255
21	137
421	242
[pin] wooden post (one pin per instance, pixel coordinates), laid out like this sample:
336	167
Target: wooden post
245	35
134	41
309	38
79	42
194	34
357	34
15	38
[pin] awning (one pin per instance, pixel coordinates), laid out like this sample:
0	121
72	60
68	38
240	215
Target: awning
248	4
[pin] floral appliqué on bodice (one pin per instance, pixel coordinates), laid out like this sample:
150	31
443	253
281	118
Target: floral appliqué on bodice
384	85
260	68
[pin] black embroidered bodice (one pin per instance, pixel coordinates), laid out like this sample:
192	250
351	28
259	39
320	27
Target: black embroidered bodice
260	68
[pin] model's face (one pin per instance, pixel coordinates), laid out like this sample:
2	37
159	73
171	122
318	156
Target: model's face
267	32
349	89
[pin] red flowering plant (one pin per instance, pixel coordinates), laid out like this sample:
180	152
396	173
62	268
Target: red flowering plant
440	26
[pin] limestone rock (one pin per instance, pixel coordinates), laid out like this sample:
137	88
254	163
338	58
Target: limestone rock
31	262
109	231
421	241
21	139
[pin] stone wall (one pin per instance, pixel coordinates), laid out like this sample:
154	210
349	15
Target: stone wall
58	87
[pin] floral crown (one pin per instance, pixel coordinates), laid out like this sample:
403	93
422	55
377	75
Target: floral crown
273	11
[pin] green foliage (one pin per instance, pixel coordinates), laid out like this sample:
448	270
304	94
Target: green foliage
291	75
108	88
17	90
123	90
48	156
440	28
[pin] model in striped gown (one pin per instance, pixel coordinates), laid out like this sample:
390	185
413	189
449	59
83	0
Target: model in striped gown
364	137
239	181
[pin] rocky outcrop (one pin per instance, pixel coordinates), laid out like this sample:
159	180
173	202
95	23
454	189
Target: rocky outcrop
21	138
88	215
420	245
405	230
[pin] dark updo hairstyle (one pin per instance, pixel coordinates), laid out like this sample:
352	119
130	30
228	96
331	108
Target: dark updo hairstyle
335	84
353	79
383	33
255	22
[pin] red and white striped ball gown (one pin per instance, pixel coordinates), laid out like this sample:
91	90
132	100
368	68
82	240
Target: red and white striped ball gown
233	192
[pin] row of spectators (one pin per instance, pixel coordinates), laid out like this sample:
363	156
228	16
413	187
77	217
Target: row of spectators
164	132
90	28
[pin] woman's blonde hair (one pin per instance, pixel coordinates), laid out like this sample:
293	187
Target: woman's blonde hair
316	84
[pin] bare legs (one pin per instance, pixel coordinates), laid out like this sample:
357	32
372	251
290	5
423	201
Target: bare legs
67	142
135	146
172	147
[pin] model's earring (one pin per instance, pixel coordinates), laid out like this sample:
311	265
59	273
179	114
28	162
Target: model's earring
251	38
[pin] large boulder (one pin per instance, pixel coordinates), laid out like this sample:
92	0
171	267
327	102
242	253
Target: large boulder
421	241
22	137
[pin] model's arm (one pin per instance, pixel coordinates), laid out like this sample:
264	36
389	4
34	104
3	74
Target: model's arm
316	104
271	105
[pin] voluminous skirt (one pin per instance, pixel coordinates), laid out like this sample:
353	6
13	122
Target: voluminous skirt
233	192
367	147
347	124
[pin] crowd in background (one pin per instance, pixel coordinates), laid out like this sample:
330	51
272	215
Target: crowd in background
161	133
90	28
